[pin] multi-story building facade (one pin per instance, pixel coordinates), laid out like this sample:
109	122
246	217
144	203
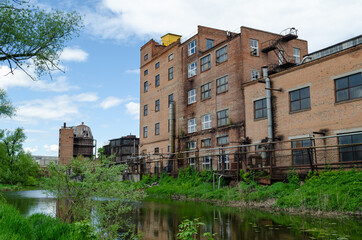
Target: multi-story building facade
122	149
201	81
75	141
316	109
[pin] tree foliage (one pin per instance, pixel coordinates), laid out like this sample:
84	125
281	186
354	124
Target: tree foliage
87	189
30	35
16	166
6	108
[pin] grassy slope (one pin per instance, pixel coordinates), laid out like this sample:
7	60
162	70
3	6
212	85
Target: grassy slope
330	191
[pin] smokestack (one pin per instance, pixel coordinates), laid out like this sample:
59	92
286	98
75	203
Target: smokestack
65	124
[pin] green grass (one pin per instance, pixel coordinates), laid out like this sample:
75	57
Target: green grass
327	191
14	226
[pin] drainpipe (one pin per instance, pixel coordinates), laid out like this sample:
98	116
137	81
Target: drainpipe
268	103
172	127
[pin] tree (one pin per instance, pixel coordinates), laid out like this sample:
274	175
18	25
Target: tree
90	190
16	166
6	108
32	36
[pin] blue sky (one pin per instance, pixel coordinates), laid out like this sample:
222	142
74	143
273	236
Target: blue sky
101	84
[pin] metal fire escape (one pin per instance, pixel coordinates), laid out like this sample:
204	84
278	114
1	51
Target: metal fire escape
277	46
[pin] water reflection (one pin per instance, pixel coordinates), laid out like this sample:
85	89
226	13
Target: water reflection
160	219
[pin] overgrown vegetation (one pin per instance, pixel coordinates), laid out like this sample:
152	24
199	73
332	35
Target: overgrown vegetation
189	229
326	191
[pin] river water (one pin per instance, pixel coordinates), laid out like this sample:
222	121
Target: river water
157	219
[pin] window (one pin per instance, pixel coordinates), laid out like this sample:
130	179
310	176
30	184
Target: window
145	86
281	57
222	54
209	43
192	96
260	110
206	163
145	110
254	48
206	91
157	80
206	142
192	47
302	156
299	99
255	75
157	65
222	84
191	125
157	129
349	88
192	162
223	117
191	145
145	72
296	55
192	70
145	132
145	57
350	153
206	121
157	150
170	73
170	57
205	63
157	105
170	99
223	140
224	162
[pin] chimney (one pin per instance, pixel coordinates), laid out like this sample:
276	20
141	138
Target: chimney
65	124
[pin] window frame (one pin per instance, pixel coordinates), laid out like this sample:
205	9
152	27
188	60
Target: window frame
192	144
206	91
170	98
299	99
192	69
203	141
191	98
226	162
224	85
219	138
157	105
145	86
224	120
157	80
220	58
301	152
208	46
206	123
145	72
192	47
191	125
207	161
170	73
263	109
192	163
145	131
157	65
145	110
170	57
145	57
296	55
157	128
353	149
254	50
207	62
348	88
253	75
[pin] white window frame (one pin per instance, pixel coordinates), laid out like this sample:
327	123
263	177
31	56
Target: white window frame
254	47
192	47
206	162
255	74
203	142
191	145
226	162
192	69
206	121
296	55
192	96
192	162
145	131
191	125
170	57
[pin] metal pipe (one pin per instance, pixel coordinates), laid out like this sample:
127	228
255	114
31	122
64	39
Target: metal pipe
268	103
172	127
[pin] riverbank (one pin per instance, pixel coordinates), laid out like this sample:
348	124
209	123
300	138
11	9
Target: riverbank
332	193
9	187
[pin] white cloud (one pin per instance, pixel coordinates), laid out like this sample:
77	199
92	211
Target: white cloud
133	71
31	150
133	109
74	54
20	79
110	102
322	22
86	97
51	149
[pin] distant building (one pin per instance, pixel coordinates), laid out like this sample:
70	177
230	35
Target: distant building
122	148
75	141
43	161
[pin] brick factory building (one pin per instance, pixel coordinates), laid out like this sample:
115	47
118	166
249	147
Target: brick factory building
198	85
75	141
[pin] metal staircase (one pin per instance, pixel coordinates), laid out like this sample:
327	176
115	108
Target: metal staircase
277	46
